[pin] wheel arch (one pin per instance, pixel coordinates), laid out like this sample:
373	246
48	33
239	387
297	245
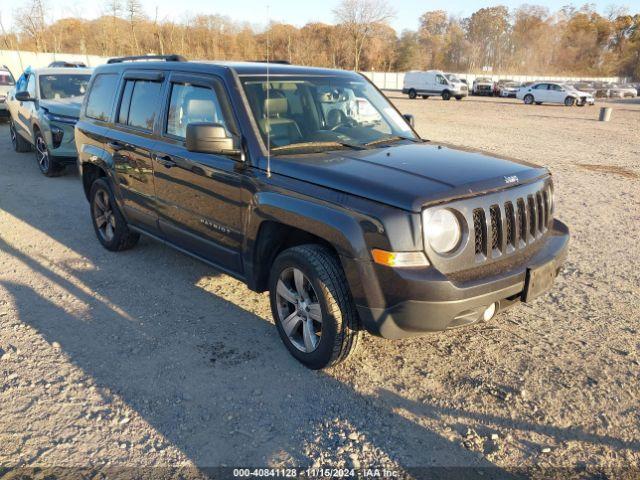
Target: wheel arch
279	222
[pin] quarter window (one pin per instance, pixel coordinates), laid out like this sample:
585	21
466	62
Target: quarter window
101	97
190	104
139	105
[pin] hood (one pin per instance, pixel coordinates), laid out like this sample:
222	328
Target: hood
69	107
408	176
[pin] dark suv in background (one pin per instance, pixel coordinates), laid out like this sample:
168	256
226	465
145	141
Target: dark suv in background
308	183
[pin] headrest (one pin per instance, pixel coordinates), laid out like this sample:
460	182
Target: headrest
275	106
199	108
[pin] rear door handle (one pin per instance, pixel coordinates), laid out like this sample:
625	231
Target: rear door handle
166	161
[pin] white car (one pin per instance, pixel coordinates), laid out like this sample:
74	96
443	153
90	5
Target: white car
6	83
433	83
550	92
622	91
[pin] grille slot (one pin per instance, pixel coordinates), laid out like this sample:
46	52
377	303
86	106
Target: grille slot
480	231
511	224
522	221
541	214
532	216
496	227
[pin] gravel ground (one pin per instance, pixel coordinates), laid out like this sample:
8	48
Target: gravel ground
149	358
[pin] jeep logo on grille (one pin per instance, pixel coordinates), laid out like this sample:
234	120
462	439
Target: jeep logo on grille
511	179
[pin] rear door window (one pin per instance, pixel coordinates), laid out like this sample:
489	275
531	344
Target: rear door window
140	104
101	96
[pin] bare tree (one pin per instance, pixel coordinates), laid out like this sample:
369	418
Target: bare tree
359	18
31	20
135	14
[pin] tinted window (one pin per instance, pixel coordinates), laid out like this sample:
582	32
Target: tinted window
191	104
126	101
541	86
143	107
101	97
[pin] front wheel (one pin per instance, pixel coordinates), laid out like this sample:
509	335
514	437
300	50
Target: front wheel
446	95
108	223
312	306
48	166
569	102
528	99
412	94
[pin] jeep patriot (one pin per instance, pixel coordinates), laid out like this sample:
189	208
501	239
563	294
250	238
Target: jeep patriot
308	183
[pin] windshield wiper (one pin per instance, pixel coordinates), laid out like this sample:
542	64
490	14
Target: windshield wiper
312	145
391	138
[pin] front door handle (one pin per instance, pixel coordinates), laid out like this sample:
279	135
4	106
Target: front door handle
116	146
166	161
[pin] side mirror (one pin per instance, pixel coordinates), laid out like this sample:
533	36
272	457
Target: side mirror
206	137
24	97
410	119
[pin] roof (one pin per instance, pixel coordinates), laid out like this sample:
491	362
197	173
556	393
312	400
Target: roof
241	68
62	71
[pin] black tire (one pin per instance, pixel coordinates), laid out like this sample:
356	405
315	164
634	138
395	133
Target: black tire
569	102
340	325
528	99
121	238
47	164
412	94
20	145
425	97
538	103
446	95
458	97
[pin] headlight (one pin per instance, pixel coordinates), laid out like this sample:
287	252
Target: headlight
442	230
60	118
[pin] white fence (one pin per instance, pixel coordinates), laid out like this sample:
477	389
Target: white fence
394	80
17	61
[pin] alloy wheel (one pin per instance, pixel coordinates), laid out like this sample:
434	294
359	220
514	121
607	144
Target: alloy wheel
299	310
103	215
42	153
12	132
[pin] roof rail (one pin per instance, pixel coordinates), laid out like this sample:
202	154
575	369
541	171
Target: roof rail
279	62
166	58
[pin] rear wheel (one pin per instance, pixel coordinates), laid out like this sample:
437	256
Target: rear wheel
569	102
459	97
446	95
312	306
412	94
19	144
48	166
108	223
528	99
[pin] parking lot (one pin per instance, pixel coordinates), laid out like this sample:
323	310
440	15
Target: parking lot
148	357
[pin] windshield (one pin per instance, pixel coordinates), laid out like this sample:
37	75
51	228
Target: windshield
63	86
5	79
302	113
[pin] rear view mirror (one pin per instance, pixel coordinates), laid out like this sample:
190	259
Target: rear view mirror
209	138
24	97
410	119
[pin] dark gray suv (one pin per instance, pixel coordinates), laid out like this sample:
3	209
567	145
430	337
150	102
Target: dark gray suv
308	183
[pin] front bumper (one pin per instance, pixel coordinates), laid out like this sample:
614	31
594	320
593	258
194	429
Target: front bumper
397	303
60	139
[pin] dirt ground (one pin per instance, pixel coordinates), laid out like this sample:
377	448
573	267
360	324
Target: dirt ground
149	358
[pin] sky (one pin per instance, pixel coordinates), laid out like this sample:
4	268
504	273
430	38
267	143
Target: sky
297	12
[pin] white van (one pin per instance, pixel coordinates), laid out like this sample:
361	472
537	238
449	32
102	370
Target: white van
433	83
